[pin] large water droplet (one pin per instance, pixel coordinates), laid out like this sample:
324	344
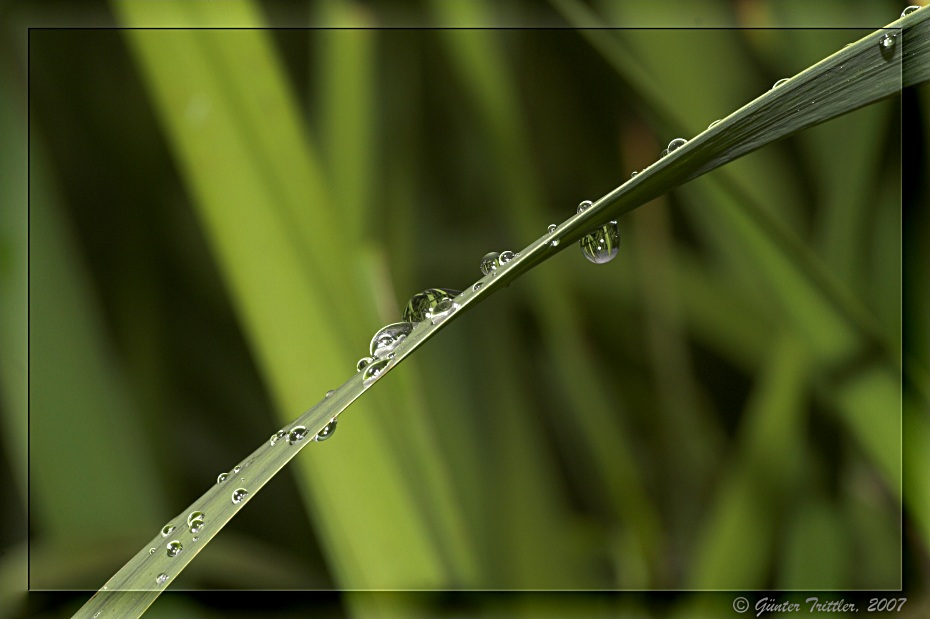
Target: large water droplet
277	436
363	363
428	303
780	82
296	435
167	530
221	477
505	257
174	548
194	516
161	578
239	494
675	145
909	10
375	369
584	205
886	45
388	338
326	432
603	244
489	262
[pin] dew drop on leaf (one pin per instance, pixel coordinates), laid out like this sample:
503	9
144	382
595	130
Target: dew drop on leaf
296	434
429	303
194	516
239	494
602	245
375	369
152	550
388	338
161	578
584	205
326	432
504	257
277	436
363	363
221	477
675	145
329	393
909	10
780	82
489	262
174	548
886	45
167	530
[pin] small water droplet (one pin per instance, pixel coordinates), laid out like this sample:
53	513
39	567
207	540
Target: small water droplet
602	245
326	432
221	477
909	10
329	393
239	494
505	257
554	242
713	124
886	45
388	338
161	578
152	550
195	538
277	436
551	228
96	614
167	530
675	145
426	304
489	262
477	286
194	516
584	205
174	548
196	525
375	369
780	82
296	435
363	363
634	174
236	469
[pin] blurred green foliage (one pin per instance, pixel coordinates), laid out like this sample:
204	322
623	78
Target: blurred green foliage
220	219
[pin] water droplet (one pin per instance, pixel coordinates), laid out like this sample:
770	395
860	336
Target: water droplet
174	548
236	469
191	517
602	245
196	525
388	338
96	614
477	286
886	45
780	82
296	435
909	10
554	242
326	432
489	262
277	436
161	578
551	228
195	538
426	304
239	494
584	205
505	257
152	550
221	477
675	145
167	530
634	174
716	122
329	393
375	369
363	363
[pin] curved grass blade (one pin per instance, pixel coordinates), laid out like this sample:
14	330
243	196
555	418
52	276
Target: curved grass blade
847	80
